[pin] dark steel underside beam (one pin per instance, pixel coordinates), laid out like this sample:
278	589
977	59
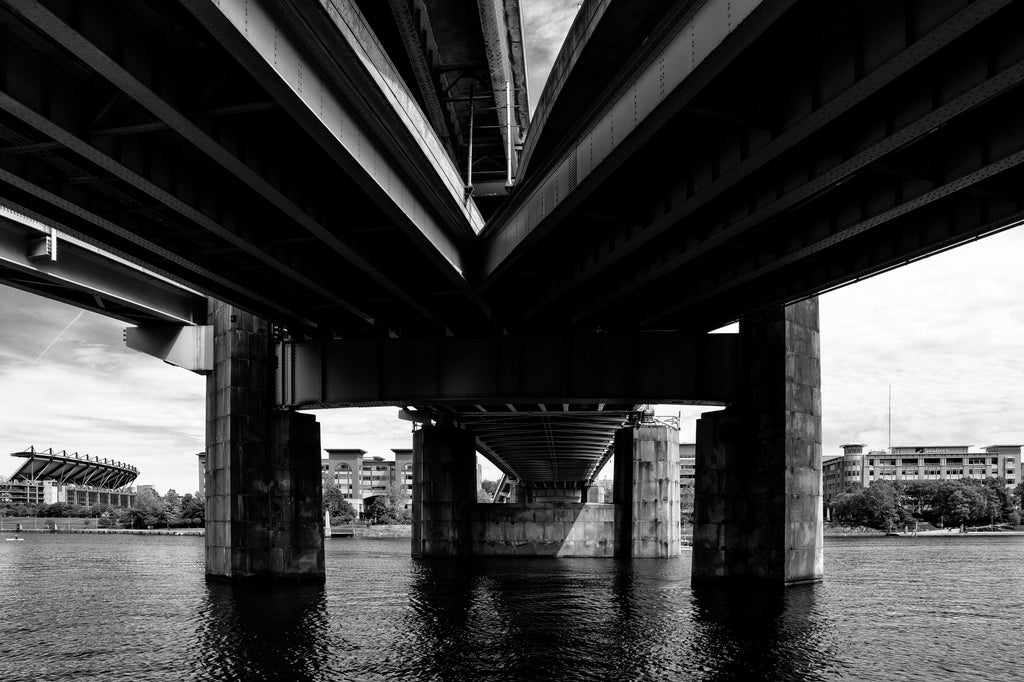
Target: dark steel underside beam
653	368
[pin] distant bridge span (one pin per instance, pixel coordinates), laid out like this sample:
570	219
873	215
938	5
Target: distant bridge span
344	170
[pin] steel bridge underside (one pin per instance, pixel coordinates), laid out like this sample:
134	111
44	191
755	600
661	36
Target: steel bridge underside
692	164
545	409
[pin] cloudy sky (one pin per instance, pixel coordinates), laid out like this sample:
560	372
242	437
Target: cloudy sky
946	334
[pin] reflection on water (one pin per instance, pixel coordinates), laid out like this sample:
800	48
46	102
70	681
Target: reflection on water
762	633
102	608
249	632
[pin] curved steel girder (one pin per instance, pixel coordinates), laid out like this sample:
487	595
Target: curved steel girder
1003	152
729	177
120	290
269	55
115	168
628	119
228	289
643	275
120	76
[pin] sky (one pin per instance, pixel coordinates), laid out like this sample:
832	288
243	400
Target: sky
946	334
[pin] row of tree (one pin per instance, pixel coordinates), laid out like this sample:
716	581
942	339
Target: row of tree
954	502
151	510
168	511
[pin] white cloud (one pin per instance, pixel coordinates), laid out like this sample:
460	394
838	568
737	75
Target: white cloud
90	394
545	24
946	333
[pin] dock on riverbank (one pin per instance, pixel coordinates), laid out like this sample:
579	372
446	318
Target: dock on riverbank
396	530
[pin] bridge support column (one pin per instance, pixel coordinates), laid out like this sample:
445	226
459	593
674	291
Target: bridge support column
263	489
758	504
647	491
443	488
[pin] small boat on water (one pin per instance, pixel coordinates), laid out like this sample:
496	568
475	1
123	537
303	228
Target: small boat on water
15	539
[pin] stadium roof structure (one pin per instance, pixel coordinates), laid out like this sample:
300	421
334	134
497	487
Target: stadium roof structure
76	469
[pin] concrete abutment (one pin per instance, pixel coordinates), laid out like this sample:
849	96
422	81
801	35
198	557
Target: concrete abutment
263	489
647	489
758	504
443	490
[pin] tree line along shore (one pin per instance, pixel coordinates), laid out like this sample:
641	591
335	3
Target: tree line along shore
953	503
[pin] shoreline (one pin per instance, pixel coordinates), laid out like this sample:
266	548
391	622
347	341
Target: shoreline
110	531
929	534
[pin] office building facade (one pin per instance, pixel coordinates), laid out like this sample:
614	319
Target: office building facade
857	468
363	478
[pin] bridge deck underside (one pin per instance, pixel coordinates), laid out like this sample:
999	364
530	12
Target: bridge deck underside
790	163
547	445
786	163
130	124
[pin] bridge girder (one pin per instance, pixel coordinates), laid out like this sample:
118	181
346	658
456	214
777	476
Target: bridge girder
522	370
164	145
796	164
501	388
48	264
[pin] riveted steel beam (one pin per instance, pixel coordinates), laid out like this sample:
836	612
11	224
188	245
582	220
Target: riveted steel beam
498	47
880	222
85	277
81	223
132	83
326	101
413	23
703	237
23	113
651	368
631	116
739	156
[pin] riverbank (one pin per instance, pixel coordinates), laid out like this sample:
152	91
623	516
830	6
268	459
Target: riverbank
109	531
838	531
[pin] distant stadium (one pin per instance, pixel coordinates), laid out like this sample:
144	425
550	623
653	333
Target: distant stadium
47	477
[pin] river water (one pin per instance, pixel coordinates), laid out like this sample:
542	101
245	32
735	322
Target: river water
83	607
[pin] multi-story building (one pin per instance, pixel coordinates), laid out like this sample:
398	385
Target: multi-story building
855	467
47	477
362	478
687	464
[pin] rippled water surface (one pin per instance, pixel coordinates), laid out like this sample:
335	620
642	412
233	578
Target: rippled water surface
81	607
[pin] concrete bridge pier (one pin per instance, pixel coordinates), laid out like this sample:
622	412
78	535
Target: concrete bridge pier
443	491
647	491
263	489
758	504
